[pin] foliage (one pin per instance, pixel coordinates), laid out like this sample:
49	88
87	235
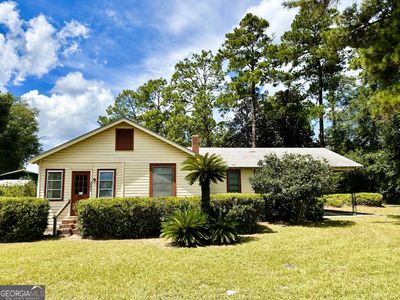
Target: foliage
247	49
22	219
339	200
245	209
223	229
18	133
186	228
205	169
197	80
293	184
312	51
141	217
25	190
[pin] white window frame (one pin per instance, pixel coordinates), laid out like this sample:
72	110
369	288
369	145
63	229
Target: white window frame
113	182
62	184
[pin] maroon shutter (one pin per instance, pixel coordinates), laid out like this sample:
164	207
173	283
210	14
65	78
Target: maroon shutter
123	139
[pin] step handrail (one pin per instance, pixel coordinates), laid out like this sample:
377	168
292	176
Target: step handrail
57	215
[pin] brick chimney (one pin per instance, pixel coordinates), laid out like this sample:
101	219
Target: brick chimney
195	143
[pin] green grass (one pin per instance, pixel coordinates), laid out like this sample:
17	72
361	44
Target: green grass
348	257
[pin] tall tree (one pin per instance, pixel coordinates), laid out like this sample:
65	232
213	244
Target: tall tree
311	49
18	133
198	80
247	49
148	106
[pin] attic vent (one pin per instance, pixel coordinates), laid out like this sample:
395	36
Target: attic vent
123	139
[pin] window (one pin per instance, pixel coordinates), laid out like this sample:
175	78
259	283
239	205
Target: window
105	183
162	180
233	181
54	184
123	139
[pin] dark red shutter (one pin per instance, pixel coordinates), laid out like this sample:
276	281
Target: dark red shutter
123	139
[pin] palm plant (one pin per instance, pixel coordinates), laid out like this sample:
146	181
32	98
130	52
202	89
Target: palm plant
205	169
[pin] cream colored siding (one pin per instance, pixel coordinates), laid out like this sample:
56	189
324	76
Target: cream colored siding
132	167
245	174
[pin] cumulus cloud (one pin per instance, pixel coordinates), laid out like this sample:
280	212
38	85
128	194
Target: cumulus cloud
71	109
32	47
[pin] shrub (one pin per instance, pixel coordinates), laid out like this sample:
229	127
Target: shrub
339	200
294	184
245	209
18	190
186	228
223	230
141	217
22	219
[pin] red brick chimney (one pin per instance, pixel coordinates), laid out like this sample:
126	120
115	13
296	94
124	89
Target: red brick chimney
195	143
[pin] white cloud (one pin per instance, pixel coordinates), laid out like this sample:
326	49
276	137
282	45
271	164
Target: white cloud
72	108
32	48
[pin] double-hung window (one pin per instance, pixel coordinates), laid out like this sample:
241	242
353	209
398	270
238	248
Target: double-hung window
54	184
105	183
162	180
233	181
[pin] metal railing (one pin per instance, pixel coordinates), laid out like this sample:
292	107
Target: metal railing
57	215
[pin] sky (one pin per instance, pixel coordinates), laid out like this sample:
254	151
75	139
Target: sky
69	59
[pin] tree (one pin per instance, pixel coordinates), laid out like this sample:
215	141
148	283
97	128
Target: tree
198	80
294	182
18	136
147	106
311	49
248	52
205	169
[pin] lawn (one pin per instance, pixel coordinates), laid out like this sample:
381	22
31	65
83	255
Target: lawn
346	257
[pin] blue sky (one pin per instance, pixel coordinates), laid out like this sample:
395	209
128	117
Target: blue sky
70	58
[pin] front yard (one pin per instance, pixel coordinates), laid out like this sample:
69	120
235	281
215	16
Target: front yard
345	257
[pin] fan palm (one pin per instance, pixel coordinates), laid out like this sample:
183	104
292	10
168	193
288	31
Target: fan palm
205	169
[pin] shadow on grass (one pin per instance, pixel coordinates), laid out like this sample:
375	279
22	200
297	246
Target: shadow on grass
326	223
396	219
339	213
261	228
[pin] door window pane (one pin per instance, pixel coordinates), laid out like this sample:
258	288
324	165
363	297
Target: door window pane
54	184
162	181
106	183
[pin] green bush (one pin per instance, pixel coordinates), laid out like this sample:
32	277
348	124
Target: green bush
294	184
18	190
339	200
223	229
186	228
141	217
22	219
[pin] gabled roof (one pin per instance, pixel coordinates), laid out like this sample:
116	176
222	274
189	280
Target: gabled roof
101	129
249	157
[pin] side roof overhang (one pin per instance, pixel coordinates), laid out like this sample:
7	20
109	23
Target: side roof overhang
101	129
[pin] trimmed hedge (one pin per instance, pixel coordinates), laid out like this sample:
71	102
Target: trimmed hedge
274	211
22	219
141	217
367	199
18	190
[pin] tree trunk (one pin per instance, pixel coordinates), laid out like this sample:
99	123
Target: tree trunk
321	120
205	197
253	115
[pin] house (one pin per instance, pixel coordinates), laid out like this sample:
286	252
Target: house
18	177
124	159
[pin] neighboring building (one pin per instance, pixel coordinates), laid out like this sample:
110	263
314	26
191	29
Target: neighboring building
124	159
18	177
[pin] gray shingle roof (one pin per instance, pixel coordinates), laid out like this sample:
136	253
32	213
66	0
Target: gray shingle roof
249	157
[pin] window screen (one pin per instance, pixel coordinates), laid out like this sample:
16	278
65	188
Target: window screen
233	181
54	184
106	183
162	180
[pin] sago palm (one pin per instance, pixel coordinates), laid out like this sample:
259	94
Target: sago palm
205	169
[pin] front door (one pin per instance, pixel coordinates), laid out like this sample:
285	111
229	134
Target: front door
80	188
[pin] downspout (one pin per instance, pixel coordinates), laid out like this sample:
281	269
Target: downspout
123	180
